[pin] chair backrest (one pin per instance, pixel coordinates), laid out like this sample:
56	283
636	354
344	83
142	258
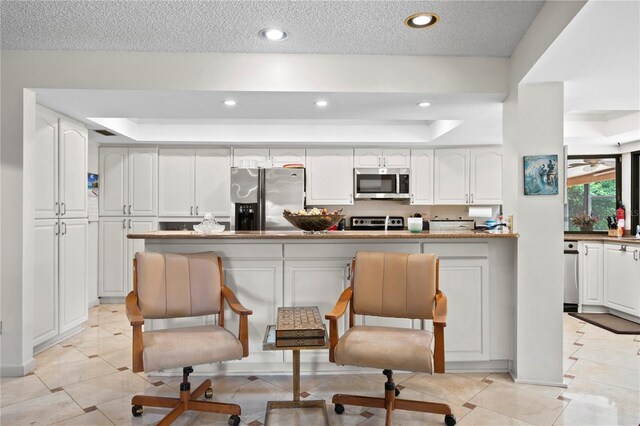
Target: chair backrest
171	285
397	285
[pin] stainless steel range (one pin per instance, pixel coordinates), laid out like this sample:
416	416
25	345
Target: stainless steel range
376	223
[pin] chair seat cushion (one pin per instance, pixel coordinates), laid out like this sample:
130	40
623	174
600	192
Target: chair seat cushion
187	346
386	347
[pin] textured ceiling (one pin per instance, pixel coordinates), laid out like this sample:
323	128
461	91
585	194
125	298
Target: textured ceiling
466	28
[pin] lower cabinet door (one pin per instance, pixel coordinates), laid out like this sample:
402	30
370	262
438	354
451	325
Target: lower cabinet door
621	291
133	246
73	273
465	282
309	282
45	281
258	286
112	270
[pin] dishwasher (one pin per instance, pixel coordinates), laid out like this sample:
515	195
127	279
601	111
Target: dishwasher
570	276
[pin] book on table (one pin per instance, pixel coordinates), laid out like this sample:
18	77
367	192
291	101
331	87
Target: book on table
300	326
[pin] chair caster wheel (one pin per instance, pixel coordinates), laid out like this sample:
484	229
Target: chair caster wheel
397	392
338	408
234	420
136	410
208	393
450	420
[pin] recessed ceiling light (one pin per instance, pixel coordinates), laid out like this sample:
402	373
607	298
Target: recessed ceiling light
272	34
421	20
321	103
229	102
424	104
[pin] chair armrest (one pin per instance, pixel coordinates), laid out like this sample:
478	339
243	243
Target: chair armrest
341	305
440	314
133	312
234	303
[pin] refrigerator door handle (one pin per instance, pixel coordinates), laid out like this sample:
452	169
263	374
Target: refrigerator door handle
262	194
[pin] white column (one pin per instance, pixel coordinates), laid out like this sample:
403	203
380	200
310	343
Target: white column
539	294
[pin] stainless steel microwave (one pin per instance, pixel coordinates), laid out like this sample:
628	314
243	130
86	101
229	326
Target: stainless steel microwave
381	183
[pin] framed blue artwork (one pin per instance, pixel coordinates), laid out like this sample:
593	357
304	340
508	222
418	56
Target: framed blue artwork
541	175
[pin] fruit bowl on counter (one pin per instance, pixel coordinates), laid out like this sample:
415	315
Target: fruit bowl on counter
314	220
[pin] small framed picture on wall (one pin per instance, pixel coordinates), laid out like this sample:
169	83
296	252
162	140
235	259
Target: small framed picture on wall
541	175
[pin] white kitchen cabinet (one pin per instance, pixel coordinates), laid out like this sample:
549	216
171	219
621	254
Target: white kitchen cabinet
45	281
468	176
129	181
621	271
591	273
60	292
451	176
212	182
265	158
485	176
421	183
316	282
465	282
378	157
115	270
258	285
61	163
73	273
193	182
329	176
251	157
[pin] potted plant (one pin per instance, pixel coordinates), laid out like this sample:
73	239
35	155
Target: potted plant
584	221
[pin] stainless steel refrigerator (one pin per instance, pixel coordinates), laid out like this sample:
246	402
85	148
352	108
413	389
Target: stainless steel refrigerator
258	197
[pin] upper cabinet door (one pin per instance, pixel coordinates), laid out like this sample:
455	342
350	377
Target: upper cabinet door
176	173
46	164
421	184
212	182
485	180
143	182
113	191
73	142
329	177
251	157
280	157
451	176
367	157
397	158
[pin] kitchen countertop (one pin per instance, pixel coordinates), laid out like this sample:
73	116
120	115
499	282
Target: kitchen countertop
627	239
332	235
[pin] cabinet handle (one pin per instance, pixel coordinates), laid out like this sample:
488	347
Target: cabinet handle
586	250
191	210
196	210
129	224
64	228
351	198
56	228
124	209
635	255
124	223
466	198
129	208
57	209
64	209
349	271
471	198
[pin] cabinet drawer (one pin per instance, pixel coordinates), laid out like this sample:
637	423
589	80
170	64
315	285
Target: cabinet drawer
465	249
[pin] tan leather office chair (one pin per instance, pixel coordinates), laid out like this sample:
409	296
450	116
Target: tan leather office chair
391	285
183	285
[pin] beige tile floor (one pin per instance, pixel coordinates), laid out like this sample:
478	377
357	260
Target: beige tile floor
86	380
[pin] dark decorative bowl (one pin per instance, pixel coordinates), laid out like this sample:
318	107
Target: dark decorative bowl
313	223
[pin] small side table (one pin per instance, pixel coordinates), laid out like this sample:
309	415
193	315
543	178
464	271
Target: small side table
269	344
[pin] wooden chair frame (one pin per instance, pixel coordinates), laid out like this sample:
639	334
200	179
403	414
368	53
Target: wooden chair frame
187	400
389	402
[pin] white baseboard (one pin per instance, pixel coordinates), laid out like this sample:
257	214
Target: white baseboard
537	382
17	370
110	300
55	340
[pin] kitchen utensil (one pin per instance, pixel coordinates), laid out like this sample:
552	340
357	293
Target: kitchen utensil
313	223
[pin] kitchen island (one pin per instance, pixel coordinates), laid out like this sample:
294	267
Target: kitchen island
269	269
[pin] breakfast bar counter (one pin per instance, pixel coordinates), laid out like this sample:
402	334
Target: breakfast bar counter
330	235
270	269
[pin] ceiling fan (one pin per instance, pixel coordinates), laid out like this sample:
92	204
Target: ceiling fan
592	164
